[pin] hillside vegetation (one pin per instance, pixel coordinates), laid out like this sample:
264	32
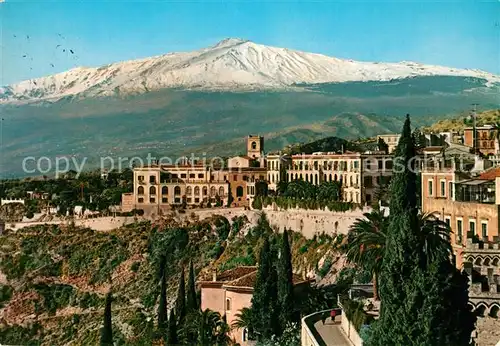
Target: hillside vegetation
53	279
462	121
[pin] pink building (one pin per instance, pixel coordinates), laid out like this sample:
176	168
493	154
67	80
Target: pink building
230	291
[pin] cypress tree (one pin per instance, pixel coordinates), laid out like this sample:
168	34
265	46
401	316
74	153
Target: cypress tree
180	304
285	283
162	308
423	298
107	329
172	338
192	301
265	307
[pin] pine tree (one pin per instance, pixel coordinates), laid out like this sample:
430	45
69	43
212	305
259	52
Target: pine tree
162	308
107	329
172	338
265	307
423	296
192	301
180	304
285	283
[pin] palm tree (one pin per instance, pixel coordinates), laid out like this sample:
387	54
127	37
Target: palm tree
365	245
244	321
208	328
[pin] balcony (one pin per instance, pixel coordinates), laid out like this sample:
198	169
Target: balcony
475	191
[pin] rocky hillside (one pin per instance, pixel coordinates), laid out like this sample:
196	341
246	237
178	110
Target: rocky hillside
53	279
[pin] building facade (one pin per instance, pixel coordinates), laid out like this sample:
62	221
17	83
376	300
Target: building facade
468	204
159	187
230	291
391	140
484	139
360	174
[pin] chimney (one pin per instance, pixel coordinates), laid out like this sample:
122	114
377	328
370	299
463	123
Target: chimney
214	275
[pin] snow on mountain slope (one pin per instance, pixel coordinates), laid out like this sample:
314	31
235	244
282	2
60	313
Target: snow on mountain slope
232	64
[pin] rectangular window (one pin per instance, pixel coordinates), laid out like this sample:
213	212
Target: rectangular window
152	179
164	200
443	188
212	177
183	175
367	181
197	200
140	178
447	220
356	164
189	200
235	177
388	164
450	190
459	231
380	164
192	176
430	187
472	226
141	200
152	200
200	175
484	230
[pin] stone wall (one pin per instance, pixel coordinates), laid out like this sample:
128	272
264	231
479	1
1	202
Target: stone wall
307	222
311	222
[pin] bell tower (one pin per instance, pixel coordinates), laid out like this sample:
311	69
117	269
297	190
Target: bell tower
255	146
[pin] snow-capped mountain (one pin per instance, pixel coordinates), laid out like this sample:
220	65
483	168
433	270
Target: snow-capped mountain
232	64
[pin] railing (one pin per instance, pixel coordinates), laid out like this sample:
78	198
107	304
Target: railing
309	335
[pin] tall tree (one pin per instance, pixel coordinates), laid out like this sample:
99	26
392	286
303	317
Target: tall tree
265	307
402	267
107	329
366	241
423	296
180	303
162	307
285	283
172	337
192	301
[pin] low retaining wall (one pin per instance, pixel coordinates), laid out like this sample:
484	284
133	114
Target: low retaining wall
349	330
309	335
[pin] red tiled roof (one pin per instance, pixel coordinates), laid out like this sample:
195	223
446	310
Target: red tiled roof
490	174
231	274
249	280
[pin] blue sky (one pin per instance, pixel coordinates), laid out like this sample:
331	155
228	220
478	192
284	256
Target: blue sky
462	34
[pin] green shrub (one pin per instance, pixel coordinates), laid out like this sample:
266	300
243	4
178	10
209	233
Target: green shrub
5	294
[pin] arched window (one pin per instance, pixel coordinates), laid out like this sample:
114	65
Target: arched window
335	177
196	190
213	191
239	191
164	190
325	178
189	191
254	145
221	191
316	179
205	190
152	190
140	190
228	304
495	262
494	311
177	190
486	261
350	181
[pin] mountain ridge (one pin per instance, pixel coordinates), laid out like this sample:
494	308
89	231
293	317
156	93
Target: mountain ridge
231	64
